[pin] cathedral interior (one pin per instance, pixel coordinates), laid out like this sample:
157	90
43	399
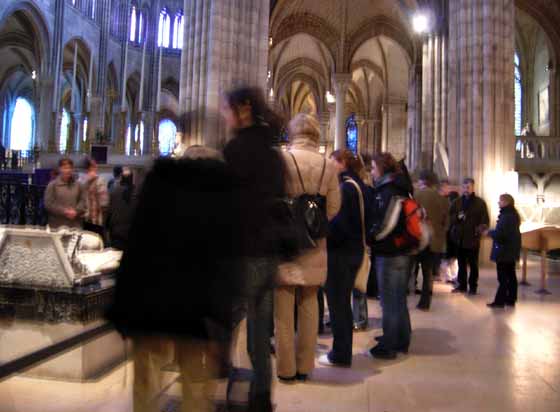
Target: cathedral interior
465	88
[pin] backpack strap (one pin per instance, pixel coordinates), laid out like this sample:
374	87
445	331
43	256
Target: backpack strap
322	175
298	172
362	212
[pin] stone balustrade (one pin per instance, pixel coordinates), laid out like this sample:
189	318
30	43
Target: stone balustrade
537	153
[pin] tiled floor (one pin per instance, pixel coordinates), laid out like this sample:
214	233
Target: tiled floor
464	357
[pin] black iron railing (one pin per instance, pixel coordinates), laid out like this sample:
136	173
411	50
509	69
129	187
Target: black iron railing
22	204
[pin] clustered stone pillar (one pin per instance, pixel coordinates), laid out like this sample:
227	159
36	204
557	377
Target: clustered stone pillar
480	117
434	105
341	82
211	63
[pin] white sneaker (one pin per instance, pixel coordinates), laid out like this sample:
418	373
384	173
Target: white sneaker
325	361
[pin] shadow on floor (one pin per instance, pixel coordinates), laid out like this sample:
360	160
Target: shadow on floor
432	342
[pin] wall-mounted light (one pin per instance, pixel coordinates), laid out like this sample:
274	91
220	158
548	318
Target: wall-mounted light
330	98
270	41
420	23
34	75
269	75
548	67
271	94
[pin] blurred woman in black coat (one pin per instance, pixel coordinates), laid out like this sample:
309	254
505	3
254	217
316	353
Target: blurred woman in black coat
506	250
178	279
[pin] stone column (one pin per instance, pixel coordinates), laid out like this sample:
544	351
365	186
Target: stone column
56	71
324	124
394	127
220	63
362	133
78	127
480	96
70	133
554	101
433	138
341	82
120	144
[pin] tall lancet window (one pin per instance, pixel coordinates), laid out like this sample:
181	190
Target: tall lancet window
21	132
178	31
133	17
128	148
518	95
352	134
164	31
93	9
167	132
140	27
64	125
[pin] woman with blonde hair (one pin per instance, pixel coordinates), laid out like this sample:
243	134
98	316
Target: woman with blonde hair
306	172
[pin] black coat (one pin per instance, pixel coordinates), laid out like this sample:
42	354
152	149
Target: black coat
465	233
258	170
506	246
345	229
179	273
389	186
120	215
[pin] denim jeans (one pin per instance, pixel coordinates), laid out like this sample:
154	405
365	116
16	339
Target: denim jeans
342	269
392	276
359	308
259	273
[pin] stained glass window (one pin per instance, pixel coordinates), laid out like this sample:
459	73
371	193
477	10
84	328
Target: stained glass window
518	95
178	31
133	18
21	132
64	130
164	29
167	132
352	134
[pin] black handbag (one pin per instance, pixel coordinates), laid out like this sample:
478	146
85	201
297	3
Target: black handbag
304	219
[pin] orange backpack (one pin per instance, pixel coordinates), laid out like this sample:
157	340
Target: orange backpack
417	231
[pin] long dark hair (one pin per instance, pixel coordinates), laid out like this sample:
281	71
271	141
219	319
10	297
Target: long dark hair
511	203
352	162
260	111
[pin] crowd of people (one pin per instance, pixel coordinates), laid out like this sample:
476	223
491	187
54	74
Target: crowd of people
207	242
91	203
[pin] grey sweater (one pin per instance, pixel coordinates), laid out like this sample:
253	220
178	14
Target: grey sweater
59	196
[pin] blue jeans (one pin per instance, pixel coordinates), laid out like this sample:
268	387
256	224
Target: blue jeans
359	308
259	273
392	277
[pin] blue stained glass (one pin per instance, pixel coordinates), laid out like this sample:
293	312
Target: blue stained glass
352	134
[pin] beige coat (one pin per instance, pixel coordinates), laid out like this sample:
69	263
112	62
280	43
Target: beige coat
310	269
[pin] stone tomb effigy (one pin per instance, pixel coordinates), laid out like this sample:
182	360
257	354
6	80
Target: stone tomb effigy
54	289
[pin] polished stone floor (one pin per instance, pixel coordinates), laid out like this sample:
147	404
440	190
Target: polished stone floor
464	357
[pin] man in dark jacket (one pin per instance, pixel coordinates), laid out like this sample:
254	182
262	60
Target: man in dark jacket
468	220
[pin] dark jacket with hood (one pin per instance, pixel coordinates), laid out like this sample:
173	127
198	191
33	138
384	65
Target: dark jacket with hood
258	170
385	189
178	275
345	229
507	237
465	232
